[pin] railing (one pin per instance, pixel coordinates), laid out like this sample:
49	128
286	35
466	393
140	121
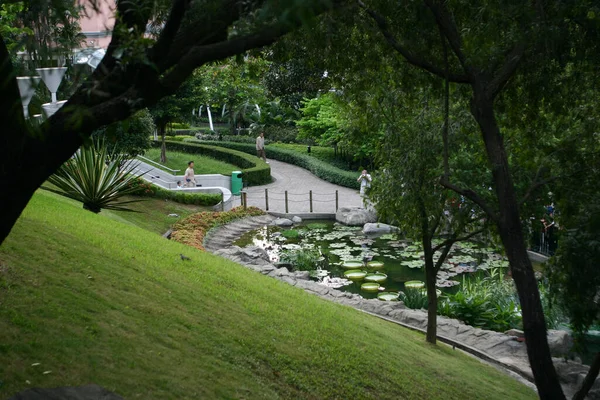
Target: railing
147	160
286	201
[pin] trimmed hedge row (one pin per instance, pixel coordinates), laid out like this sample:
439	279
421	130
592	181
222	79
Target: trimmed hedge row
255	171
320	168
147	189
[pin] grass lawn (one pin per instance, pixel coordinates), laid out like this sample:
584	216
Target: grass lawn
153	214
94	300
202	165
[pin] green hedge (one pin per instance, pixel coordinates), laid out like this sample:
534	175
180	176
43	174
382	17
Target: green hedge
255	171
320	168
147	189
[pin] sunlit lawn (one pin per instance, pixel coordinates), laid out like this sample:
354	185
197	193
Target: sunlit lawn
84	298
202	164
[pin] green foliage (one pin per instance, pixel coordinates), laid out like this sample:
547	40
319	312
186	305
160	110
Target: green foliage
130	137
290	234
146	189
302	259
95	177
321	121
255	171
320	168
485	302
415	299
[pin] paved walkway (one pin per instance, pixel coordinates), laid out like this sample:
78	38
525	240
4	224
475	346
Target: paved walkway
299	182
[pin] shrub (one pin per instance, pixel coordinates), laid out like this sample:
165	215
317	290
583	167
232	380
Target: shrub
255	171
320	168
485	302
95	177
193	229
301	260
143	188
414	298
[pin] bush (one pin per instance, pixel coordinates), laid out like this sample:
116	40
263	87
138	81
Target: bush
143	188
193	229
414	298
487	303
301	260
255	171
320	168
179	125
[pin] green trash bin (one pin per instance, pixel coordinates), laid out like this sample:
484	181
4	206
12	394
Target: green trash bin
236	182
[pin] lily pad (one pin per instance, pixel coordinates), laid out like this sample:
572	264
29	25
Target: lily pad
355	274
388	296
377	277
370	287
414	284
353	264
375	264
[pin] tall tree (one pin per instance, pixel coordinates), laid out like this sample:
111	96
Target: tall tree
488	47
136	72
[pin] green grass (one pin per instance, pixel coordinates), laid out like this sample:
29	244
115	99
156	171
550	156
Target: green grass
153	214
95	300
202	164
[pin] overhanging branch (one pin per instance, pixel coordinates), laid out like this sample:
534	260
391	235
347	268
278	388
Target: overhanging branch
471	195
408	56
506	71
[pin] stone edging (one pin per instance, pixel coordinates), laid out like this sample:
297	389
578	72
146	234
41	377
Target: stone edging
498	348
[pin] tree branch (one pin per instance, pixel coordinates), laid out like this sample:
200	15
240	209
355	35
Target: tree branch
506	71
447	25
408	56
451	241
471	195
589	379
165	40
199	55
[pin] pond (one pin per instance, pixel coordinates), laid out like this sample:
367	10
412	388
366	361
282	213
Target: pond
387	260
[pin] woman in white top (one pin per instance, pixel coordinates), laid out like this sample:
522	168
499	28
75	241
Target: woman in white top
190	177
365	181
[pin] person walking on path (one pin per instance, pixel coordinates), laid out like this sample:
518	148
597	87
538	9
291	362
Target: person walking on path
190	177
365	182
260	146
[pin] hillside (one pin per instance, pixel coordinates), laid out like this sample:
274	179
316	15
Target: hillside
96	300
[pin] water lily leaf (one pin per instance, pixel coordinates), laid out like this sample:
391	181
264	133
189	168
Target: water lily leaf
370	287
388	296
376	277
414	284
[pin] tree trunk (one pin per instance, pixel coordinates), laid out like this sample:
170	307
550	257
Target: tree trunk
163	146
589	380
511	234
430	276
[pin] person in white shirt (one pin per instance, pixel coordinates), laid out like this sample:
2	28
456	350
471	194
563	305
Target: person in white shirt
190	177
365	181
179	186
260	146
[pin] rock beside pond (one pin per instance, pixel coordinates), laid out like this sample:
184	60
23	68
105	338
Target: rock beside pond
515	332
560	342
296	219
248	255
378	229
355	216
88	392
282	222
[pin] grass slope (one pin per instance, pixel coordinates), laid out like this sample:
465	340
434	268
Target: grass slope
95	300
202	165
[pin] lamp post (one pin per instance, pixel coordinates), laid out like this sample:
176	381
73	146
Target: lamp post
52	78
27	87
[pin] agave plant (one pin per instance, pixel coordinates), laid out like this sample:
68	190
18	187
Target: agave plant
96	178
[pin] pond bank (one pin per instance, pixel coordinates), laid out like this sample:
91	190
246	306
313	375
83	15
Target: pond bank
498	348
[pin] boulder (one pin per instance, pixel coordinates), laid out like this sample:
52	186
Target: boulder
304	275
296	219
355	216
282	222
250	255
378	229
515	332
560	343
87	392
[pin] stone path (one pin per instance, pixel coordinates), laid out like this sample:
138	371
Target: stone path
498	348
298	182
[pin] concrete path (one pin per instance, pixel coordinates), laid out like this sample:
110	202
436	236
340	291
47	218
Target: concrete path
299	182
